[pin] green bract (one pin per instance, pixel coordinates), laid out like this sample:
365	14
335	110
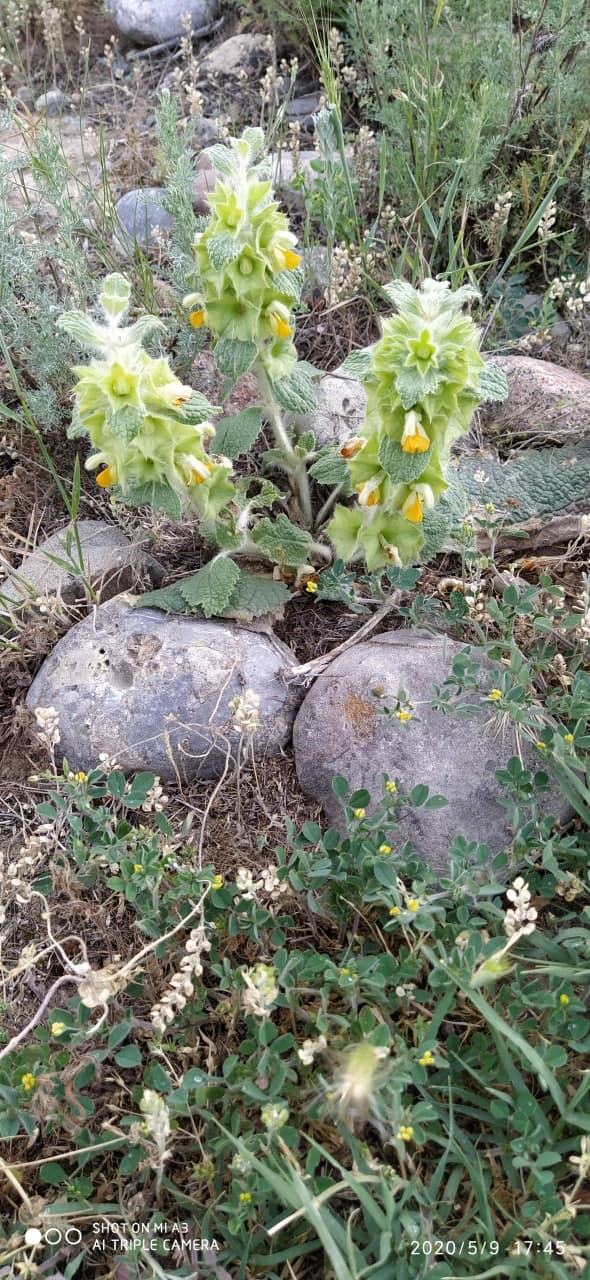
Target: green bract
423	384
246	261
149	430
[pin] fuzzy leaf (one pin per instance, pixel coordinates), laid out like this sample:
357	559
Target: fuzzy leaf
297	391
223	249
255	595
170	599
76	428
290	283
335	584
282	541
154	495
210	589
198	410
223	160
114	295
233	357
493	384
84	330
125	423
411	387
253	135
357	363
329	467
402	467
236	435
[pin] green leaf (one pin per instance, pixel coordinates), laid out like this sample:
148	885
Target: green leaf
212	587
81	327
402	467
223	249
170	599
236	435
493	384
289	283
154	495
329	467
411	387
357	363
282	541
255	595
198	409
297	392
125	423
76	428
53	1174
114	295
128	1056
335	584
253	136
223	160
118	1033
233	357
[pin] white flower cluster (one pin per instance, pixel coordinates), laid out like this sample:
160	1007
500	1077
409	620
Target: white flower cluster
310	1049
246	716
583	627
268	883
182	985
260	989
570	888
274	1116
156	1120
545	230
520	917
18	873
155	799
48	723
572	294
7	448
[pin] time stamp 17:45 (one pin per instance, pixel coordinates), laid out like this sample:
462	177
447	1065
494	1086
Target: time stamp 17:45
473	1248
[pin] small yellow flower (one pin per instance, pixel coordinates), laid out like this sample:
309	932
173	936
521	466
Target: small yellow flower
106	477
198	318
391	787
217	882
405	1133
564	999
541	745
58	1028
346	973
384	848
569	737
394	911
278	317
311	587
80	777
137	866
245	1197
404	716
413	904
414	438
427	1059
292	259
28	1081
413	509
359	813
494	695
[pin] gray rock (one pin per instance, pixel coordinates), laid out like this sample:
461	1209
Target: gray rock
111	564
303	110
340	412
341	730
244	52
544	400
155	691
207	130
138	214
52	102
560	332
154	21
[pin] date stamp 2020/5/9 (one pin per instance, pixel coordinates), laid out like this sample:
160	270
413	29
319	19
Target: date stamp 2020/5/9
482	1249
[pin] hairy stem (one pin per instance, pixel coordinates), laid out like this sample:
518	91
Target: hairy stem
296	470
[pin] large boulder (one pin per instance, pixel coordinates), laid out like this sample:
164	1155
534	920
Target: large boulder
545	402
155	21
341	729
110	563
140	215
155	691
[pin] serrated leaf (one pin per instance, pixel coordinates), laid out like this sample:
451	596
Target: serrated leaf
255	595
223	160
402	467
82	328
76	429
198	409
211	588
237	434
160	497
357	363
335	584
290	283
305	443
274	458
493	384
125	423
282	540
297	392
412	387
233	357
169	599
253	135
329	467
223	249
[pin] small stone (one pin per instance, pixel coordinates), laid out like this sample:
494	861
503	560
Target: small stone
247	52
111	563
52	102
207	131
155	21
544	400
560	333
341	729
341	410
155	690
303	110
139	213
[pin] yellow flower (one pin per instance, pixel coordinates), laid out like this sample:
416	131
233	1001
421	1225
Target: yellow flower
404	716
198	318
541	745
394	911
370	492
217	882
413	904
137	866
80	777
494	694
58	1028
563	999
569	737
292	259
359	813
106	477
391	787
405	1133
28	1081
346	973
427	1059
420	498
311	587
414	438
278	317
384	848
245	1197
